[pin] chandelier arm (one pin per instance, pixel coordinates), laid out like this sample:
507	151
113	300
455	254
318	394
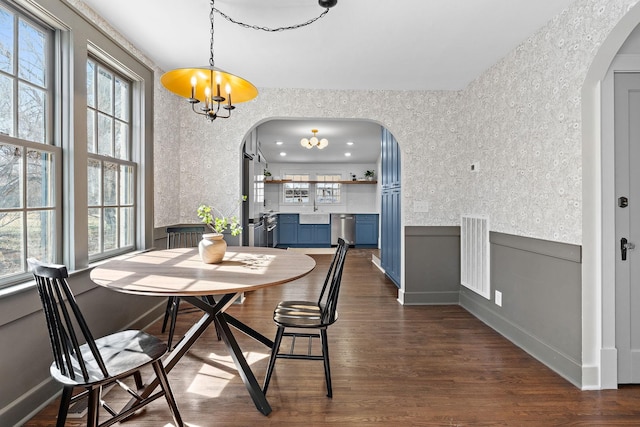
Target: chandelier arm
193	107
267	29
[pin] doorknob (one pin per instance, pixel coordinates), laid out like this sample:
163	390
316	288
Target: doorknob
624	246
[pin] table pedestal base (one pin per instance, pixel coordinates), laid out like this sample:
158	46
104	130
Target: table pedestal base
214	312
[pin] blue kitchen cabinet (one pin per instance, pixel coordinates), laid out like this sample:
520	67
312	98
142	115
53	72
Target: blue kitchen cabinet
314	235
287	229
390	219
391	232
323	234
291	233
366	231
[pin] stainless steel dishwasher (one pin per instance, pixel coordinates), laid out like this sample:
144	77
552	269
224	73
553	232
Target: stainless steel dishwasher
343	225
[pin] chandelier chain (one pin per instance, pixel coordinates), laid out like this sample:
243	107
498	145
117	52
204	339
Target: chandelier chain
211	16
271	30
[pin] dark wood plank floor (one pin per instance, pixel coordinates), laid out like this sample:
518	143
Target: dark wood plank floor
391	366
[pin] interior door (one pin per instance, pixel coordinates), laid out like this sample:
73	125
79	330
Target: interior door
627	183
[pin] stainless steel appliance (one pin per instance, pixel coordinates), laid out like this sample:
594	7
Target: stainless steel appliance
253	188
256	234
343	225
270	221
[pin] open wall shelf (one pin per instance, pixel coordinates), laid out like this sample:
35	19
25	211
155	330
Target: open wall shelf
273	181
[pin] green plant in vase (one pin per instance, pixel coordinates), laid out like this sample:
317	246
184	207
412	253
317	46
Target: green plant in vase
369	174
219	221
212	247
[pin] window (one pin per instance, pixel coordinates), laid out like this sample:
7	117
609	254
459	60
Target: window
258	189
29	162
110	172
297	191
328	192
44	154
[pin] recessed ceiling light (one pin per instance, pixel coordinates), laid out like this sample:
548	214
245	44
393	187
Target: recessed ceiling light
350	143
283	154
347	154
279	142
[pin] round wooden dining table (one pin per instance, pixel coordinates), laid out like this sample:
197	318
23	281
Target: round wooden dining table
210	287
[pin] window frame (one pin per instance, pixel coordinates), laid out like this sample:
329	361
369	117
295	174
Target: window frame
332	183
126	161
51	143
296	182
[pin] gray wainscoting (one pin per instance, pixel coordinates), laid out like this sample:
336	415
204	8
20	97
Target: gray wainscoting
432	265
540	282
541	308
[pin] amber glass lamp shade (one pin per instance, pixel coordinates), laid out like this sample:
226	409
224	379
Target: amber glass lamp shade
191	83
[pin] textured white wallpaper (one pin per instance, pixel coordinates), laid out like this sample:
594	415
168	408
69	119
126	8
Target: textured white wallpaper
520	122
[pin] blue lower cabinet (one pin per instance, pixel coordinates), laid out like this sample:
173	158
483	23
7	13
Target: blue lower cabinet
305	233
366	230
291	233
287	229
391	231
314	235
323	234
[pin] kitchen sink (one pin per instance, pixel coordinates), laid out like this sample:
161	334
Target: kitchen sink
314	218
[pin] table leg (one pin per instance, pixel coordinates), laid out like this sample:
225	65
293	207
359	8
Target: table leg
247	330
255	391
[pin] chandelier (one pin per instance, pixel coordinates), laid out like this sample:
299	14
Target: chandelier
202	85
314	141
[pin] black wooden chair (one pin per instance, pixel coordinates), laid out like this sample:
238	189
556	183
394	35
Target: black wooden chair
98	362
178	237
303	315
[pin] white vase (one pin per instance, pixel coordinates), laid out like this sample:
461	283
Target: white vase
212	248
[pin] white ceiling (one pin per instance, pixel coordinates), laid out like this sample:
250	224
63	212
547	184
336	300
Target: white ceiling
358	45
364	136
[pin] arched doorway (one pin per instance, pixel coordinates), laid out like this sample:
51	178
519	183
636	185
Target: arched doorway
354	148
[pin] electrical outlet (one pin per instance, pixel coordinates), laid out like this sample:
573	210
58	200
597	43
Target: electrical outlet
498	298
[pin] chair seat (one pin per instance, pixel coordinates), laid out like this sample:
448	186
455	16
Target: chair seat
123	352
309	306
299	314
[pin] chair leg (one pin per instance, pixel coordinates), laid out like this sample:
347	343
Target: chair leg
174	316
272	360
325	354
93	407
65	401
168	394
167	313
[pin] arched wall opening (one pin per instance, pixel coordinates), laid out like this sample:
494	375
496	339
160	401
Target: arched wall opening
274	143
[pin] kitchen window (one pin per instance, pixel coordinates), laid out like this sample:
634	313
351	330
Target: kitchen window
30	163
111	174
329	191
296	191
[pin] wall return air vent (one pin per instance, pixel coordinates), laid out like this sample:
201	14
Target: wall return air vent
474	254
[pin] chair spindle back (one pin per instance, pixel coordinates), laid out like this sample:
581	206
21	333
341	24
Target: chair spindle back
184	237
67	327
328	299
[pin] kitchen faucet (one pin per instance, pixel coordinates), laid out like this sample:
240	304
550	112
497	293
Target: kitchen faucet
315	208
